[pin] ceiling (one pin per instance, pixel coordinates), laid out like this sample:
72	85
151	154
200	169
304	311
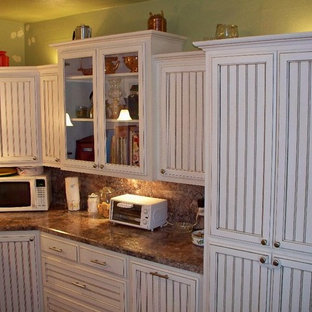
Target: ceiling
32	11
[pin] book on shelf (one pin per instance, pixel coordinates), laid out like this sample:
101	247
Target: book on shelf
122	145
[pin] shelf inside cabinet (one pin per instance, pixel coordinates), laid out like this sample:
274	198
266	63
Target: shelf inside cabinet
80	78
122	75
82	119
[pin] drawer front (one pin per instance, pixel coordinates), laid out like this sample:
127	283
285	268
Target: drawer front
59	247
88	287
57	302
102	260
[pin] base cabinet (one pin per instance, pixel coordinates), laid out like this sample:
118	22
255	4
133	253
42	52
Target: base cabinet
86	278
292	285
247	280
159	289
238	280
20	275
80	277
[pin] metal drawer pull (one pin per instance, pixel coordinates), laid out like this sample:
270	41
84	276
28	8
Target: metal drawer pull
159	275
56	249
99	262
79	285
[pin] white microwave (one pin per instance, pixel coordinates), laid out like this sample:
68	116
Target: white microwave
25	193
138	211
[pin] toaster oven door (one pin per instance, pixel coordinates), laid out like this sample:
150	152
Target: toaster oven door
127	213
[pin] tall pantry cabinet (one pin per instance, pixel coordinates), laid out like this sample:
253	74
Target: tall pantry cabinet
259	173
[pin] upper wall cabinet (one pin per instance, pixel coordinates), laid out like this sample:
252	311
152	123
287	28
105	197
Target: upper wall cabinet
50	115
106	94
180	111
19	117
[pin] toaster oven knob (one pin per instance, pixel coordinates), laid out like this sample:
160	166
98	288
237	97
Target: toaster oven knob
144	222
145	211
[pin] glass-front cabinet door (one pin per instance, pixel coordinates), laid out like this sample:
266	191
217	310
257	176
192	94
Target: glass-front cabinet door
122	99
78	76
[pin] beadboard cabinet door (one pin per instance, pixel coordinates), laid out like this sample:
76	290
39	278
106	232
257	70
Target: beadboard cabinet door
158	290
51	117
294	153
20	274
239	281
19	117
180	105
292	285
241	146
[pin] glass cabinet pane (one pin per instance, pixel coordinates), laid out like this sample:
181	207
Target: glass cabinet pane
122	104
79	108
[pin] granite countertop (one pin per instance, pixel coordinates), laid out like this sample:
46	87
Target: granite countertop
164	245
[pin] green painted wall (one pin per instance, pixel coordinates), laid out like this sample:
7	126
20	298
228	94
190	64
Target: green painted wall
195	19
12	37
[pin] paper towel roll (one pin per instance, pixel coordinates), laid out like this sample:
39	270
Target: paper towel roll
72	193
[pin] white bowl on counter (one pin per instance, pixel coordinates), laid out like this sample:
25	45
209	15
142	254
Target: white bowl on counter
198	238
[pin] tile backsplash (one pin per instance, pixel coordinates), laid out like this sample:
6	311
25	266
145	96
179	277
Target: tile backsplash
182	198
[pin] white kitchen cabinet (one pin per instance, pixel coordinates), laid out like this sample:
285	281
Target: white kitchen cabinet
77	274
51	118
238	280
20	117
292	284
258	169
294	151
180	115
94	279
95	85
160	288
20	274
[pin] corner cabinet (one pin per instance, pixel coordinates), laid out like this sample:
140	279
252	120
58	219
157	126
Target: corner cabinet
19	117
20	274
258	173
180	114
101	78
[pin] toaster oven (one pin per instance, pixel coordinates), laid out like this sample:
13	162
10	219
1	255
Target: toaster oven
138	211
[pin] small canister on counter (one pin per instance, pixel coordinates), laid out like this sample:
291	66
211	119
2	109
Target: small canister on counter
93	201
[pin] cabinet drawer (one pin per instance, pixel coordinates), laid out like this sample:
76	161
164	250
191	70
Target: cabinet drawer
59	247
88	287
54	301
98	259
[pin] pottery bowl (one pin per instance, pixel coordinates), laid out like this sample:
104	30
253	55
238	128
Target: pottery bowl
198	238
131	62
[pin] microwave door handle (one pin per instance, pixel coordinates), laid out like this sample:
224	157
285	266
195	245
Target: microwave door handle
125	205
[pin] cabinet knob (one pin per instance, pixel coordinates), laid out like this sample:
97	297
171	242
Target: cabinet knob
277	244
275	262
264	242
57	159
34	157
162	171
94	165
101	166
263	259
